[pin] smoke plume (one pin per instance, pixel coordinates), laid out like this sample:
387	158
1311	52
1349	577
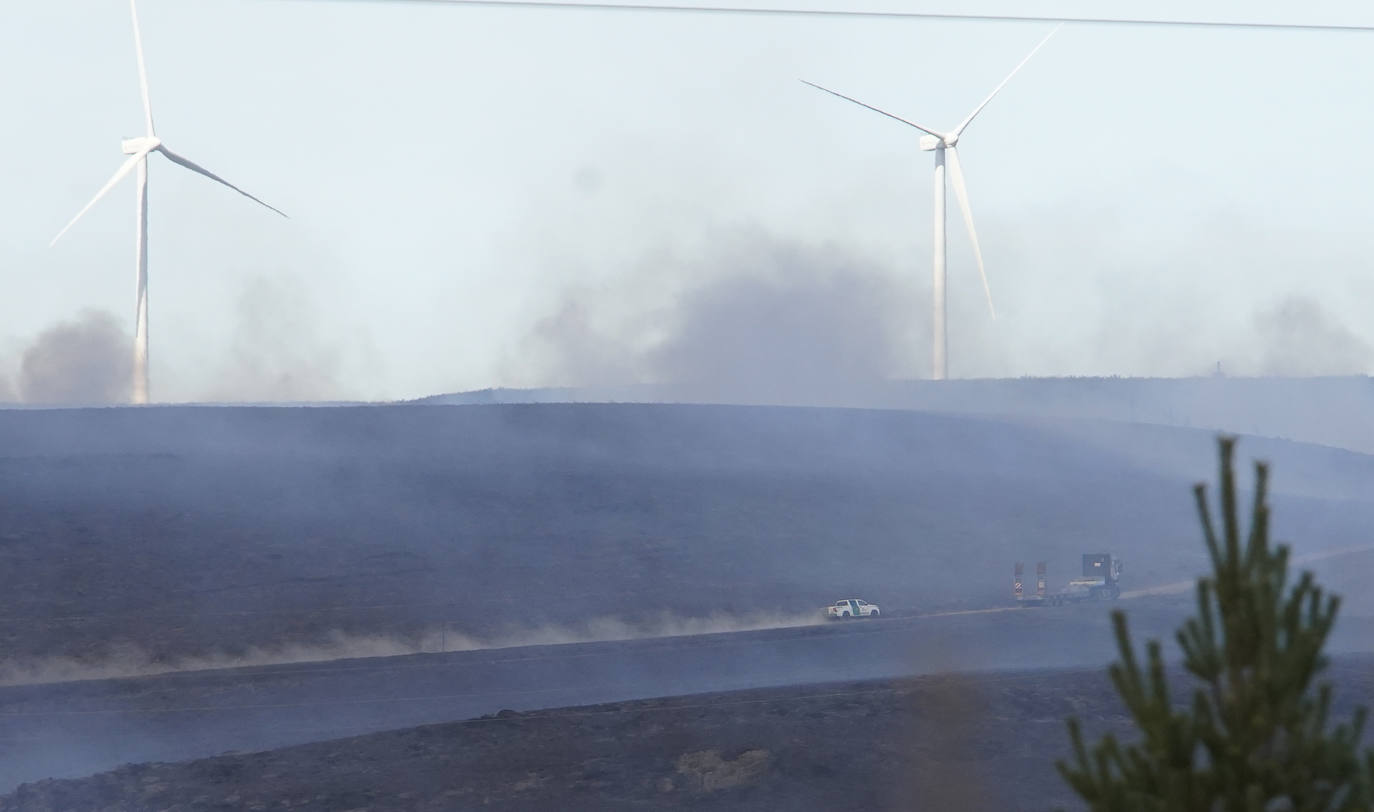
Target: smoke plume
769	320
84	361
1300	338
763	317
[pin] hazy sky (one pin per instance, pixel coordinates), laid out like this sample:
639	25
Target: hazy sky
485	197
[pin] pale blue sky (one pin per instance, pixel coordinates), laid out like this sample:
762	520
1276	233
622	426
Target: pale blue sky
1148	199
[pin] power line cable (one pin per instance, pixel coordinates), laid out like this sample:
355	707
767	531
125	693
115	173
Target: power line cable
562	5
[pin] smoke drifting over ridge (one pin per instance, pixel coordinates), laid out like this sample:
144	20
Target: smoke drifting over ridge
86	361
772	319
1299	337
789	324
764	317
276	352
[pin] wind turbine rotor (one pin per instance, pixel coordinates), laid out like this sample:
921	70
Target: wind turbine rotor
948	169
141	143
200	170
124	169
142	70
971	116
956	179
926	130
138	149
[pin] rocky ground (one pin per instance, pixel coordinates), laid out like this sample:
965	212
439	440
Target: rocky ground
966	742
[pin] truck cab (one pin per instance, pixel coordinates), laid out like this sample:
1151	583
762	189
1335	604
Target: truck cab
1101	576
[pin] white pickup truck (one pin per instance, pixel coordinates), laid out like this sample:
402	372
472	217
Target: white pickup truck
851	608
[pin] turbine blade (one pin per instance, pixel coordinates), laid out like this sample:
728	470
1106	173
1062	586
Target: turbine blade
142	70
926	130
197	168
996	90
956	176
119	174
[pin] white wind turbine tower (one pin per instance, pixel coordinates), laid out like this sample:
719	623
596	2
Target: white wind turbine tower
942	143
138	149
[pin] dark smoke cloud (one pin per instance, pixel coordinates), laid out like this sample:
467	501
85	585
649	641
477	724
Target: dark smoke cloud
84	361
1299	337
761	316
792	321
774	320
276	353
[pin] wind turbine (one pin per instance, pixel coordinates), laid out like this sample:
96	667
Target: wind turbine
941	143
138	149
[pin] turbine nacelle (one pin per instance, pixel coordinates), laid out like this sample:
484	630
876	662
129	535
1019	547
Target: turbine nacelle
142	143
931	142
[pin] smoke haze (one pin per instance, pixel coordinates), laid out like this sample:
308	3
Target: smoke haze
768	318
1299	337
84	361
276	351
791	321
759	316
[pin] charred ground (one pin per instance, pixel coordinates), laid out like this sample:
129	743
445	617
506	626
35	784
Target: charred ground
186	531
957	741
158	536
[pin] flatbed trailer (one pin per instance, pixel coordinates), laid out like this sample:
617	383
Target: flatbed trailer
1100	581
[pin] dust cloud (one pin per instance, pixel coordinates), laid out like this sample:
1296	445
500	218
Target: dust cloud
85	361
128	660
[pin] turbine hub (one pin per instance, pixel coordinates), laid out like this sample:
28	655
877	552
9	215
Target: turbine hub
140	143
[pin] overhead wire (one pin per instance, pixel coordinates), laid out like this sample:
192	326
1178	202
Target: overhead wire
874	14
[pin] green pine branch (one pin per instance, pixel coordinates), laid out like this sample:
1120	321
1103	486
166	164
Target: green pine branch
1255	736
